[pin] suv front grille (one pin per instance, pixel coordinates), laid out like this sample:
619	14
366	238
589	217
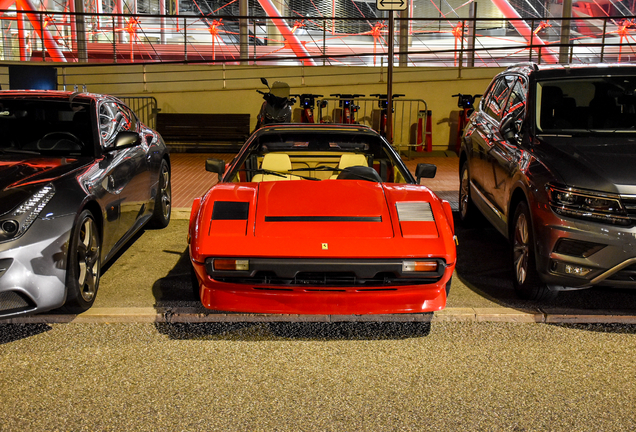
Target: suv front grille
629	202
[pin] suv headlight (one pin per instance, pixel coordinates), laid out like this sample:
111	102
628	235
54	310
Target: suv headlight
594	206
14	224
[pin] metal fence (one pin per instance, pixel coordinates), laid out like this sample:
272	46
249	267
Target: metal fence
145	107
409	118
126	38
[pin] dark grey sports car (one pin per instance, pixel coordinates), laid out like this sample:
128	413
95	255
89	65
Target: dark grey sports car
79	176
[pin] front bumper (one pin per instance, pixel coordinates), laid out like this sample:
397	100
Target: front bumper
33	268
575	254
330	287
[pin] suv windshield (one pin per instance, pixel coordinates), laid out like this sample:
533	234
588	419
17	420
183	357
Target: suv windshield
606	104
45	127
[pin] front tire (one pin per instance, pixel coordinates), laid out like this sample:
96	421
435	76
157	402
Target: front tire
163	200
526	279
83	269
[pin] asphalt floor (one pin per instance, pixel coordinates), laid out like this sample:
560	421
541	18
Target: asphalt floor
446	376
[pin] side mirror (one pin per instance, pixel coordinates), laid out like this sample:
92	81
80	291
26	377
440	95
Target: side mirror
126	139
510	128
264	81
425	170
215	166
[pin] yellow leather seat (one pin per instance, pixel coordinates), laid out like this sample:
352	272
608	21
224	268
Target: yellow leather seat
278	162
349	160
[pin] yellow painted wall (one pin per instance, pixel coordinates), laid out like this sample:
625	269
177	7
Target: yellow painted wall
231	89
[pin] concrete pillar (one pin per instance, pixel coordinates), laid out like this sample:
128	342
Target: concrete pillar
80	32
404	38
273	34
564	52
243	33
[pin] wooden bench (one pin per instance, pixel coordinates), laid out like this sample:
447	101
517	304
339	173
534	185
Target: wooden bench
204	132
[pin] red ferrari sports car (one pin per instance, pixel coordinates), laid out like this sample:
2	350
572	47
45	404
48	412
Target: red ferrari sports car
321	219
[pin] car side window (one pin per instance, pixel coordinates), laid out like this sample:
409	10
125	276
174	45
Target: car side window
497	96
132	118
114	118
516	105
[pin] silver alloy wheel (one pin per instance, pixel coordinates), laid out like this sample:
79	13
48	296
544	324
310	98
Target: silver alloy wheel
165	192
521	249
88	251
463	194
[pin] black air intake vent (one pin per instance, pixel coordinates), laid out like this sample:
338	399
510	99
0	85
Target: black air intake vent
11	301
630	205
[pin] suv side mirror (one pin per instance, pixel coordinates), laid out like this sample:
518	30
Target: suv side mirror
215	166
425	170
510	127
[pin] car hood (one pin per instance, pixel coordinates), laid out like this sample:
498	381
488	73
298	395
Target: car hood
598	162
342	209
20	177
327	219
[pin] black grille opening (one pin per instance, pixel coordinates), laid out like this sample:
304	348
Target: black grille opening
376	289
12	302
577	248
272	289
630	206
327	279
628	274
324	290
4	265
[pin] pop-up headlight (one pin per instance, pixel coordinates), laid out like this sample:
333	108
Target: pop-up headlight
414	212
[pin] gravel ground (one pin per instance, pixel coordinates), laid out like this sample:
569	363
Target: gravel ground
323	377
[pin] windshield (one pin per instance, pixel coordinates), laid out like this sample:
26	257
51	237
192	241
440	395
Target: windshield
312	155
45	127
605	104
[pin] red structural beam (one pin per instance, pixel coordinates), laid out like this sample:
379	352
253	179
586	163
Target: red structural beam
51	45
524	30
295	44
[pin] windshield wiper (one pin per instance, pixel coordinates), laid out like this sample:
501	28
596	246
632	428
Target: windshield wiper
276	173
17	151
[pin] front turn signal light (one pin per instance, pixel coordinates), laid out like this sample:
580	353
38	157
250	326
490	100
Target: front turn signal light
419	266
231	264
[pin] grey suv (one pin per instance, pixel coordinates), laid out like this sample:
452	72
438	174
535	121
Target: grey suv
550	160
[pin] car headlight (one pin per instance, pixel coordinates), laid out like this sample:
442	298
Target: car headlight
15	224
594	206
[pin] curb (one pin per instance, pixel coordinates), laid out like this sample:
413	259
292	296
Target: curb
199	315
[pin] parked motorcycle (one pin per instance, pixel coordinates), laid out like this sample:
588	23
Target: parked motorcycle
277	105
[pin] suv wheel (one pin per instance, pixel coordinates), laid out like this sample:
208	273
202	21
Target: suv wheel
467	210
526	280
